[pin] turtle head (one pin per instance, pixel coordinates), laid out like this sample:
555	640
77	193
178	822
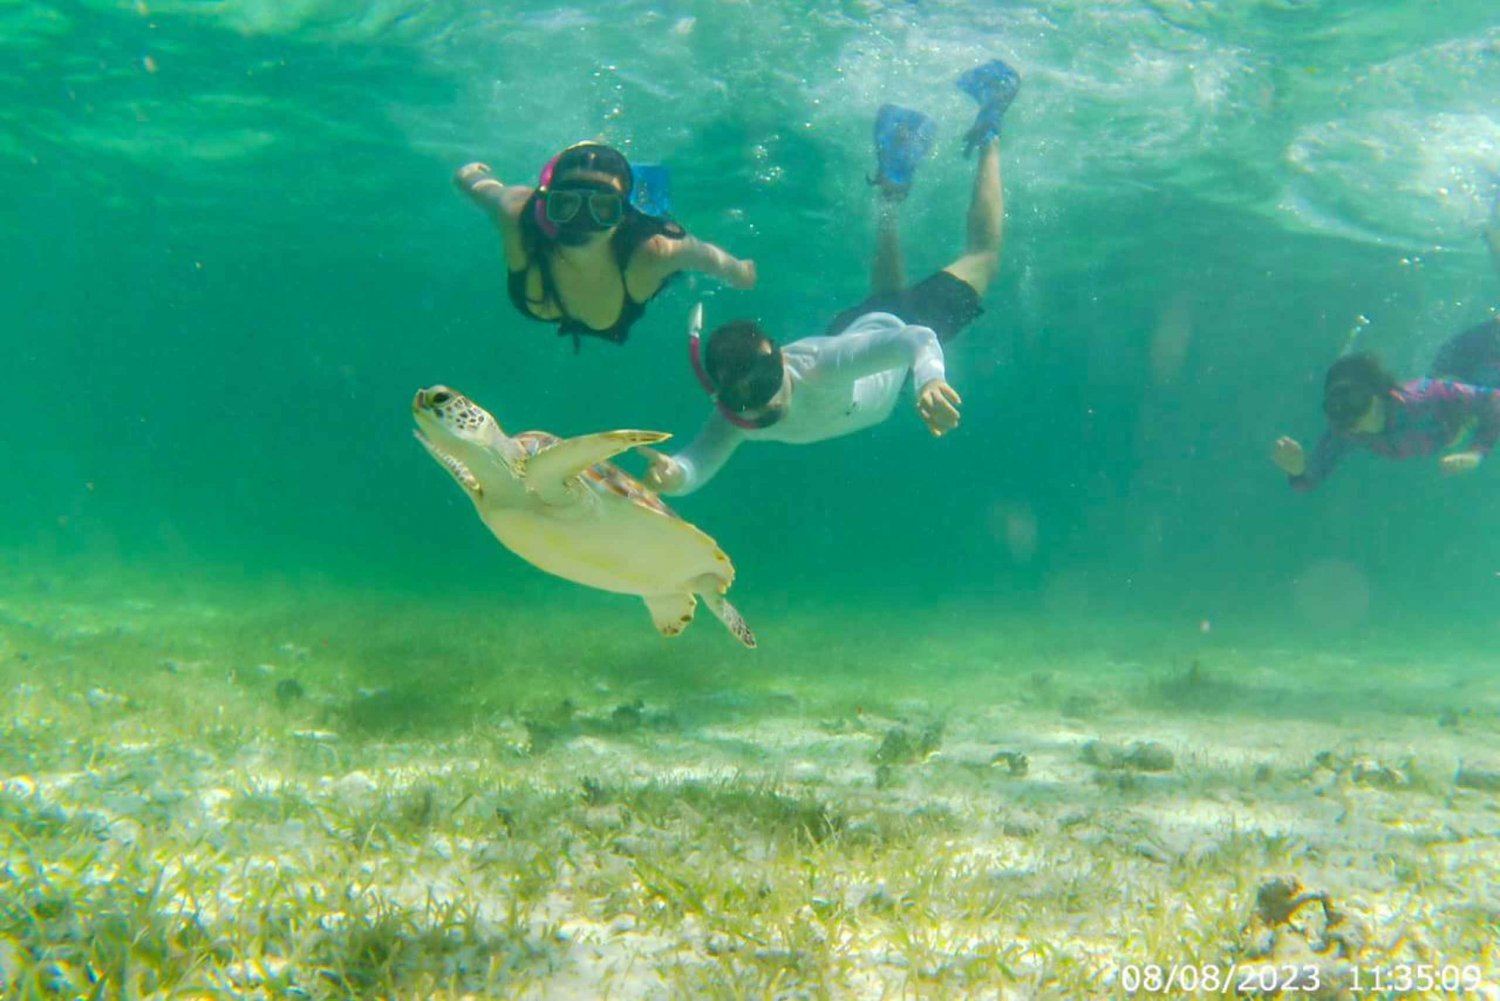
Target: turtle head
465	440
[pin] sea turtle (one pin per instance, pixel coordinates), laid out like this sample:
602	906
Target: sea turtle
560	506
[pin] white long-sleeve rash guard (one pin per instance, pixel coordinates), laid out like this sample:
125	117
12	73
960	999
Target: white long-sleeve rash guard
840	385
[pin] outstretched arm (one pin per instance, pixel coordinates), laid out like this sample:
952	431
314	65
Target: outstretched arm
1305	473
852	356
685	472
689	253
501	202
857	354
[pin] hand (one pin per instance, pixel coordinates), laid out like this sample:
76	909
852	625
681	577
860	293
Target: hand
1460	462
938	402
481	185
664	475
471	174
744	276
1288	455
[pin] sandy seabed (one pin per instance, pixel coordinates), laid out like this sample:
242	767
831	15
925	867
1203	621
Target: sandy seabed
375	796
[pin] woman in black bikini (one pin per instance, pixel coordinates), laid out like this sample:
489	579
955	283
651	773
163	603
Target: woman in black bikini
579	254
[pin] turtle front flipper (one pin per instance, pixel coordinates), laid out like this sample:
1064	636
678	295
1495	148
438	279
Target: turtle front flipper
724	611
549	471
671	612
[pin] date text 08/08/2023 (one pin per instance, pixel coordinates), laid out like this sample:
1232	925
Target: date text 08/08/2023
1159	978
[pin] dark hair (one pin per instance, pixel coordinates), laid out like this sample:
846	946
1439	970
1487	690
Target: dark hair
1352	384
594	157
743	372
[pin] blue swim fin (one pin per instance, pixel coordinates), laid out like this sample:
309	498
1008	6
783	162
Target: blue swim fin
993	86
903	138
652	191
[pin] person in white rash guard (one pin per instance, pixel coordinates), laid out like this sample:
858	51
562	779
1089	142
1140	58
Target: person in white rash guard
851	377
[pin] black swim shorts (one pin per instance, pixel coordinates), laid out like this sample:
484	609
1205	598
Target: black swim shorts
943	302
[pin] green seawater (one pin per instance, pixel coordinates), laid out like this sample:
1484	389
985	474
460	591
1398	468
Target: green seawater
232	252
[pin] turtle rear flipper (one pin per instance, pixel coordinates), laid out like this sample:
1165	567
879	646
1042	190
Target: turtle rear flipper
548	471
709	588
671	612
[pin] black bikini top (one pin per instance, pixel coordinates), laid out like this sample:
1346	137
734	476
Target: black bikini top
635	229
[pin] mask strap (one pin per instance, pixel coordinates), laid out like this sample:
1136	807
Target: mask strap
539	213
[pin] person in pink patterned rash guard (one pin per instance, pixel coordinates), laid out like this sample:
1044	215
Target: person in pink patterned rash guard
1443	414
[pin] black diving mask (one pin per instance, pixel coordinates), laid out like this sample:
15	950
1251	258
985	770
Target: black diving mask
1344	403
565	207
757	387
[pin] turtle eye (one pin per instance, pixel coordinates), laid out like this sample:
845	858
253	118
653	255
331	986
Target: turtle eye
439	398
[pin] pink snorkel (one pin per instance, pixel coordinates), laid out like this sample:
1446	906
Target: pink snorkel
695	355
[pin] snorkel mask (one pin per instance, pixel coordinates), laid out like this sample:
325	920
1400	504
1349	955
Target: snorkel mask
754	390
1345	402
571	214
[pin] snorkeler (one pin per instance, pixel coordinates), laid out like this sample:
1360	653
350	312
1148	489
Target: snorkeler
849	378
1454	410
579	254
1367	408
